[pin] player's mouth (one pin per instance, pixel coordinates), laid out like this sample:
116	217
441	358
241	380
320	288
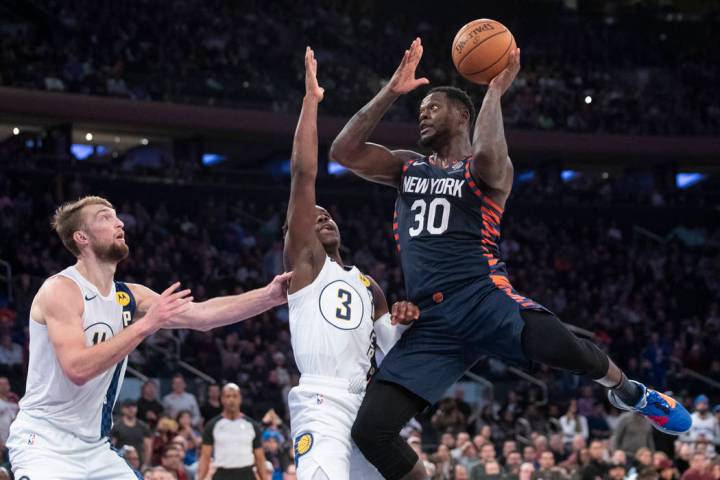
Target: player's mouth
425	128
327	227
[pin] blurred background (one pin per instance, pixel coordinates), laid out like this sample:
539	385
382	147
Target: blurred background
182	114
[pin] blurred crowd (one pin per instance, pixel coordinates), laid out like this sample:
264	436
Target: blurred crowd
654	305
642	71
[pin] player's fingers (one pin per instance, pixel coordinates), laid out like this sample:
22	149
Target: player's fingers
170	289
421	81
181	309
180	294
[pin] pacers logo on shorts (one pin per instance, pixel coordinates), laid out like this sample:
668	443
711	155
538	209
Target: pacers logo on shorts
303	444
122	298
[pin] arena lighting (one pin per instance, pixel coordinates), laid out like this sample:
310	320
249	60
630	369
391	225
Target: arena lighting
81	151
569	175
688	179
116	139
605	175
527	176
16	131
212	159
144	141
335	168
88	137
588	99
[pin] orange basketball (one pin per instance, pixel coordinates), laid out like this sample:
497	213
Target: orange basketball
481	50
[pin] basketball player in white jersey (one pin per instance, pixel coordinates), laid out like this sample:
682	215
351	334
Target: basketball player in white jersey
83	325
336	316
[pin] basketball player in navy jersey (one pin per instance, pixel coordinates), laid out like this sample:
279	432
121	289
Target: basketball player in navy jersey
447	225
83	325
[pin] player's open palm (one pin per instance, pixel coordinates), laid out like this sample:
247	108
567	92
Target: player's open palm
504	79
169	304
312	89
404	313
403	80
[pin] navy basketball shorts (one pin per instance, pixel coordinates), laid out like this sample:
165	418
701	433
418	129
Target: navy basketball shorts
456	328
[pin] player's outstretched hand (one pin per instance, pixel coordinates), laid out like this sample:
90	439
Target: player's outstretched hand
169	304
404	313
312	89
277	289
403	80
504	79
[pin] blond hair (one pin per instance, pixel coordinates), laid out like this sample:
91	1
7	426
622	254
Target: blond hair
68	219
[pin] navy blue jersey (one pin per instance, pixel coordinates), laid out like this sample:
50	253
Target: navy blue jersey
446	229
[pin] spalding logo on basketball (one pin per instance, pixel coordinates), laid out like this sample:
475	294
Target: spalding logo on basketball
341	305
97	333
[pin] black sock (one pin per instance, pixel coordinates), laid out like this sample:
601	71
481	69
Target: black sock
628	391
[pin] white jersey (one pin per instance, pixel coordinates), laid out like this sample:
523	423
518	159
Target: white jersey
86	410
702	426
331	324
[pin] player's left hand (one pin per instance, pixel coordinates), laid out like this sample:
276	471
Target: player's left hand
278	288
312	89
504	79
404	313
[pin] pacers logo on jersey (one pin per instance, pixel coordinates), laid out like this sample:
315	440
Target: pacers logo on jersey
341	305
365	280
303	444
123	299
97	333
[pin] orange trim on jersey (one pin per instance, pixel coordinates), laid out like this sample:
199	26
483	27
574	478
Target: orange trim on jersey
503	284
491	229
493	204
486	212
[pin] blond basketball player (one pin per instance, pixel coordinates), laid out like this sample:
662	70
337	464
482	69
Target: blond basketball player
83	325
337	316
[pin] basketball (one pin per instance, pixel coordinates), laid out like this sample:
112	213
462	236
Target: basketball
481	50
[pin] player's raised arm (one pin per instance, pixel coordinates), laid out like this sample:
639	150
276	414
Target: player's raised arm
303	251
369	160
490	162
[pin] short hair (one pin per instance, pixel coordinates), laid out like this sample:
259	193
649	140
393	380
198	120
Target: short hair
458	95
67	220
232	386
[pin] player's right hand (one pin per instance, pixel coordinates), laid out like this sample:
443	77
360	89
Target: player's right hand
169	304
404	313
403	80
312	89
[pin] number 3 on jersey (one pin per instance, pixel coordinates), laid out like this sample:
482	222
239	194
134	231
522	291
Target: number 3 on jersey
439	207
341	305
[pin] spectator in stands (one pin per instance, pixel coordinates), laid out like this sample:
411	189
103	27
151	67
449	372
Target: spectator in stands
527	471
597	422
192	437
617	471
212	407
128	430
597	468
448	417
179	400
486	471
171	460
530	454
272	443
704	423
698	468
289	473
11	355
8	409
131	456
512	464
166	430
548	470
573	424
667	471
149	408
633	432
461	473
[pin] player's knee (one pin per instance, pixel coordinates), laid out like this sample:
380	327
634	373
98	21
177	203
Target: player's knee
364	434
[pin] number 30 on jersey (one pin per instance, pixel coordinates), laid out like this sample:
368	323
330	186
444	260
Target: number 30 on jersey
341	305
437	218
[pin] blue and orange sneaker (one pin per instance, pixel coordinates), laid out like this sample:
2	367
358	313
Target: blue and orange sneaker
664	412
